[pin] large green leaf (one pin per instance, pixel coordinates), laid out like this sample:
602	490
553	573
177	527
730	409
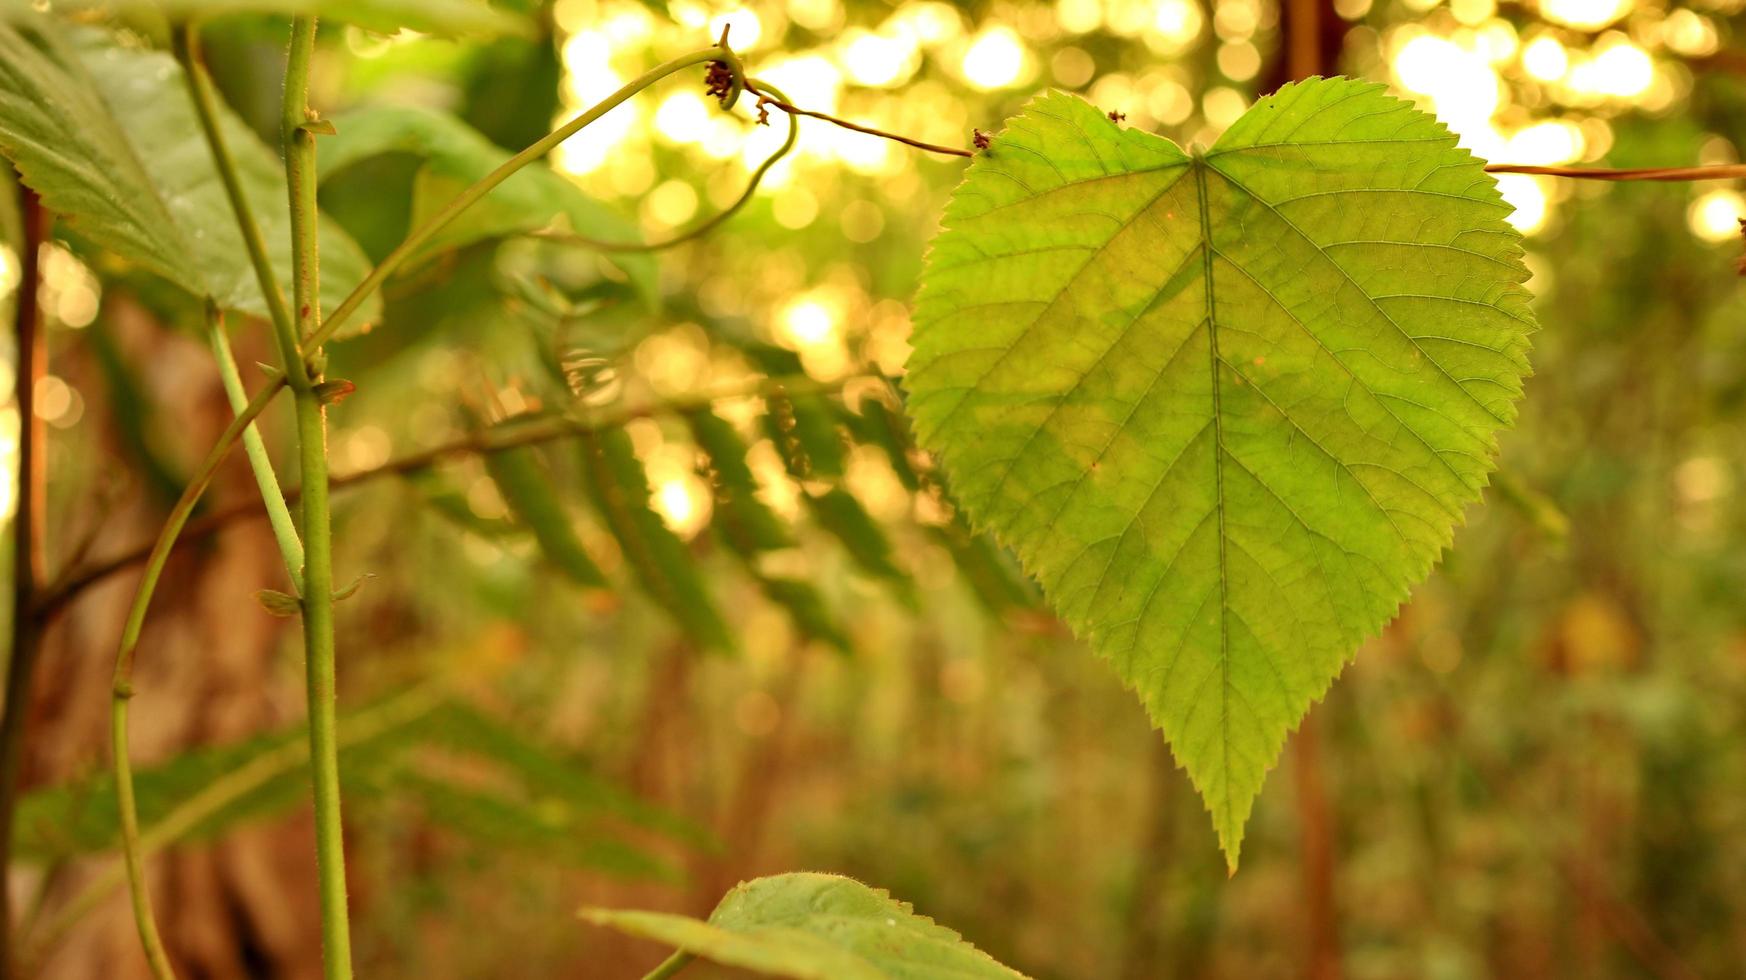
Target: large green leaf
456	155
1227	407
815	927
108	136
525	482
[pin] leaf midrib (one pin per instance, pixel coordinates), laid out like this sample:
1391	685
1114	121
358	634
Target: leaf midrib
1200	167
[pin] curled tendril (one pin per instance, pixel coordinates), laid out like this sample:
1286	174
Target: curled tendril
708	224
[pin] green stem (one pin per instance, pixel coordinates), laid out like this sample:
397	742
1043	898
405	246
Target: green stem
670	966
156	958
395	259
272	497
187	46
318	628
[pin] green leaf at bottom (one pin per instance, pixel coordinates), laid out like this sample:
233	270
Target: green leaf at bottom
815	927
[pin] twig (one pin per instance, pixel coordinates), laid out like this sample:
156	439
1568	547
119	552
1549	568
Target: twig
122	693
1720	171
1730	171
794	110
493	440
701	228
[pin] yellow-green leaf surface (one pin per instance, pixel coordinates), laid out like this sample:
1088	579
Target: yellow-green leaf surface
1227	406
815	927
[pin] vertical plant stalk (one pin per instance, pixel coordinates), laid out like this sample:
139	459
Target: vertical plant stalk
318	630
28	565
272	497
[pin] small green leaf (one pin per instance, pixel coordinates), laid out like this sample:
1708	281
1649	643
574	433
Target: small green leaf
811	926
500	821
108	136
335	391
456	155
521	476
278	603
544	771
745	523
989	571
750	528
661	562
806	607
1227	407
837	511
352	589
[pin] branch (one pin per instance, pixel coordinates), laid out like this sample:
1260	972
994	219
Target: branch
779	103
1720	171
156	957
1729	171
478	443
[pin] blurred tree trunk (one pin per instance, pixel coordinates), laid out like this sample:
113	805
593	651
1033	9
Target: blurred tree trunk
209	672
1312	38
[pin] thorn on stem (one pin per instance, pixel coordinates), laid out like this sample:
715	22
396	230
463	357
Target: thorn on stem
334	392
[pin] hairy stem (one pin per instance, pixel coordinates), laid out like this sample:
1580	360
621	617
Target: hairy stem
272	497
28	571
122	692
318	630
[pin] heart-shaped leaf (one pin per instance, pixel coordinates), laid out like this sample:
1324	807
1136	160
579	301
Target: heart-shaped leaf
812	926
1227	406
